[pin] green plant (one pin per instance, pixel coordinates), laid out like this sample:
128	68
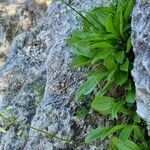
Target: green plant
104	45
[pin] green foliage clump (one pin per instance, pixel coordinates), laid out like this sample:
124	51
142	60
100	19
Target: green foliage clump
104	45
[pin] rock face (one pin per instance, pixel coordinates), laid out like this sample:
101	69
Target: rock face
141	71
17	16
33	81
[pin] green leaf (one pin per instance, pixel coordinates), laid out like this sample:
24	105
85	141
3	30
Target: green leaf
87	37
83	51
121	25
120	57
119	21
129	45
110	36
79	61
96	133
102	16
103	104
119	145
109	63
90	84
138	133
132	145
110	76
125	65
102	54
110	26
130	98
127	28
128	85
102	45
121	77
112	130
93	20
116	108
128	10
125	133
137	119
107	86
102	133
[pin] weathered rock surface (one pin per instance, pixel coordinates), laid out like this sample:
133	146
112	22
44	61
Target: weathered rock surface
17	16
141	44
32	80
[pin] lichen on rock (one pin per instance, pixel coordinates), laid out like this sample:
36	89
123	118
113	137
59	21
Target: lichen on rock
17	16
40	57
141	48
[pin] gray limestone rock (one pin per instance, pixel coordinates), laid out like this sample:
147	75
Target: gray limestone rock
32	80
141	47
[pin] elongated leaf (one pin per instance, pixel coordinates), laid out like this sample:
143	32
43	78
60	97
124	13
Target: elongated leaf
113	144
94	21
90	84
130	98
137	118
112	130
110	76
127	28
119	21
132	145
102	132
129	45
83	51
138	133
102	45
119	145
128	85
110	37
102	13
121	25
96	133
72	40
128	10
121	77
107	86
120	57
102	54
125	65
109	63
102	17
110	26
117	106
93	38
103	104
125	133
80	61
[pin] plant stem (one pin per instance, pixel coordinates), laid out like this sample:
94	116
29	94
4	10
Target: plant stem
72	83
79	14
